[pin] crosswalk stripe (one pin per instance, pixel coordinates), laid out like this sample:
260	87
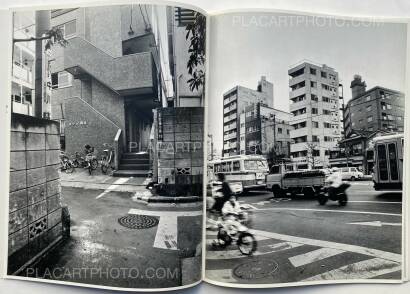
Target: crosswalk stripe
313	256
210	236
366	269
235	254
328	244
220	275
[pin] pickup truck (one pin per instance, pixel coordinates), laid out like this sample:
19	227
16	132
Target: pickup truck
306	182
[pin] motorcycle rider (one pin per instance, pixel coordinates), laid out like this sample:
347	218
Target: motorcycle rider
226	192
335	180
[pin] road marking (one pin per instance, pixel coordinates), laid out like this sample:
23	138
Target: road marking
381	202
313	256
375	224
366	269
328	244
220	275
167	231
329	210
120	181
235	253
213	234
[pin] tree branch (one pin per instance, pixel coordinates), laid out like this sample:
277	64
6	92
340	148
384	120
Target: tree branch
32	39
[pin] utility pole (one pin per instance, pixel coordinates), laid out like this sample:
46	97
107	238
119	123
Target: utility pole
274	138
43	18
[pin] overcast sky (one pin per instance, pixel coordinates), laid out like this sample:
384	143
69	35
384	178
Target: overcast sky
243	47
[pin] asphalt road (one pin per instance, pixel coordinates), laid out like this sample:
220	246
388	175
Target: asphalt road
299	240
101	251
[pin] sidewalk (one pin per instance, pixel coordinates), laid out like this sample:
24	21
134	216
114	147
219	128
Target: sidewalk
80	178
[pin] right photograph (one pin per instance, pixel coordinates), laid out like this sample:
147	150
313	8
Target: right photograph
305	149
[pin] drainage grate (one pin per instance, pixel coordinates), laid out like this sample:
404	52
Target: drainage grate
256	269
136	221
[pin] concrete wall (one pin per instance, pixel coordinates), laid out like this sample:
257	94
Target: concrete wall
180	150
35	199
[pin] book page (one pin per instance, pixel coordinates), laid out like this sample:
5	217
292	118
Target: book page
106	122
305	150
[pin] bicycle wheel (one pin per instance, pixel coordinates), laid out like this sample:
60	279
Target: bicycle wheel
104	168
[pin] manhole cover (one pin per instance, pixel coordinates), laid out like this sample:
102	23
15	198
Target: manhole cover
136	221
256	269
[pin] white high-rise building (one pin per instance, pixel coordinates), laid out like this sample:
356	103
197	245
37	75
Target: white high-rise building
314	103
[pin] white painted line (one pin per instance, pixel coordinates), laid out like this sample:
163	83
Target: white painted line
381	202
167	231
330	210
328	244
220	275
313	256
366	269
375	224
120	181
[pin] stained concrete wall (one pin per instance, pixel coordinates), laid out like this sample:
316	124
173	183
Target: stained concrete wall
180	158
35	193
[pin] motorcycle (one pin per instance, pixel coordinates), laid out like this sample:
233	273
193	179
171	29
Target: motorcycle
334	194
234	228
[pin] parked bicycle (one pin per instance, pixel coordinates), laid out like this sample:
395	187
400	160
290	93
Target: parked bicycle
66	164
88	161
107	158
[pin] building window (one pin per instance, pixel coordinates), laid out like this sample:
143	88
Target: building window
287	132
313	71
325	99
312	84
323	74
315	138
368	98
326	112
68	29
370	118
316	152
328	139
314	110
279	130
388	106
315	124
327	125
64	79
314	97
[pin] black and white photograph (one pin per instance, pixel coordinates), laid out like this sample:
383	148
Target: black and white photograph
305	150
106	155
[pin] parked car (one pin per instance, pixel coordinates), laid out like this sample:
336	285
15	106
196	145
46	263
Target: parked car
350	173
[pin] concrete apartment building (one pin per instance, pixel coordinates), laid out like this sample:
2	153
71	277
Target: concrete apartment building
314	104
29	67
234	102
266	131
375	109
184	96
111	75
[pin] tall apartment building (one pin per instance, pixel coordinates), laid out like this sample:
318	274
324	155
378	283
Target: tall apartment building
376	109
265	131
314	104
234	102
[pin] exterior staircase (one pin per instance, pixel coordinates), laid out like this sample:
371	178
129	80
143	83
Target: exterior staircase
133	165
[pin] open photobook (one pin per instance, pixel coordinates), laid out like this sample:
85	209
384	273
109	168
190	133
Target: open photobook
153	147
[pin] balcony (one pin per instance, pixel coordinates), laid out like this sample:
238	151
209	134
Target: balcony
134	74
297	92
21	108
22	73
296	147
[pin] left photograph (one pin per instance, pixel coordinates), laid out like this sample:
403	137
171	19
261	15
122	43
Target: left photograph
106	155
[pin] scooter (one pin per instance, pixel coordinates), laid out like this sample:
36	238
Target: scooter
335	194
234	229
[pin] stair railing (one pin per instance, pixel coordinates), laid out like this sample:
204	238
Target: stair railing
118	148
